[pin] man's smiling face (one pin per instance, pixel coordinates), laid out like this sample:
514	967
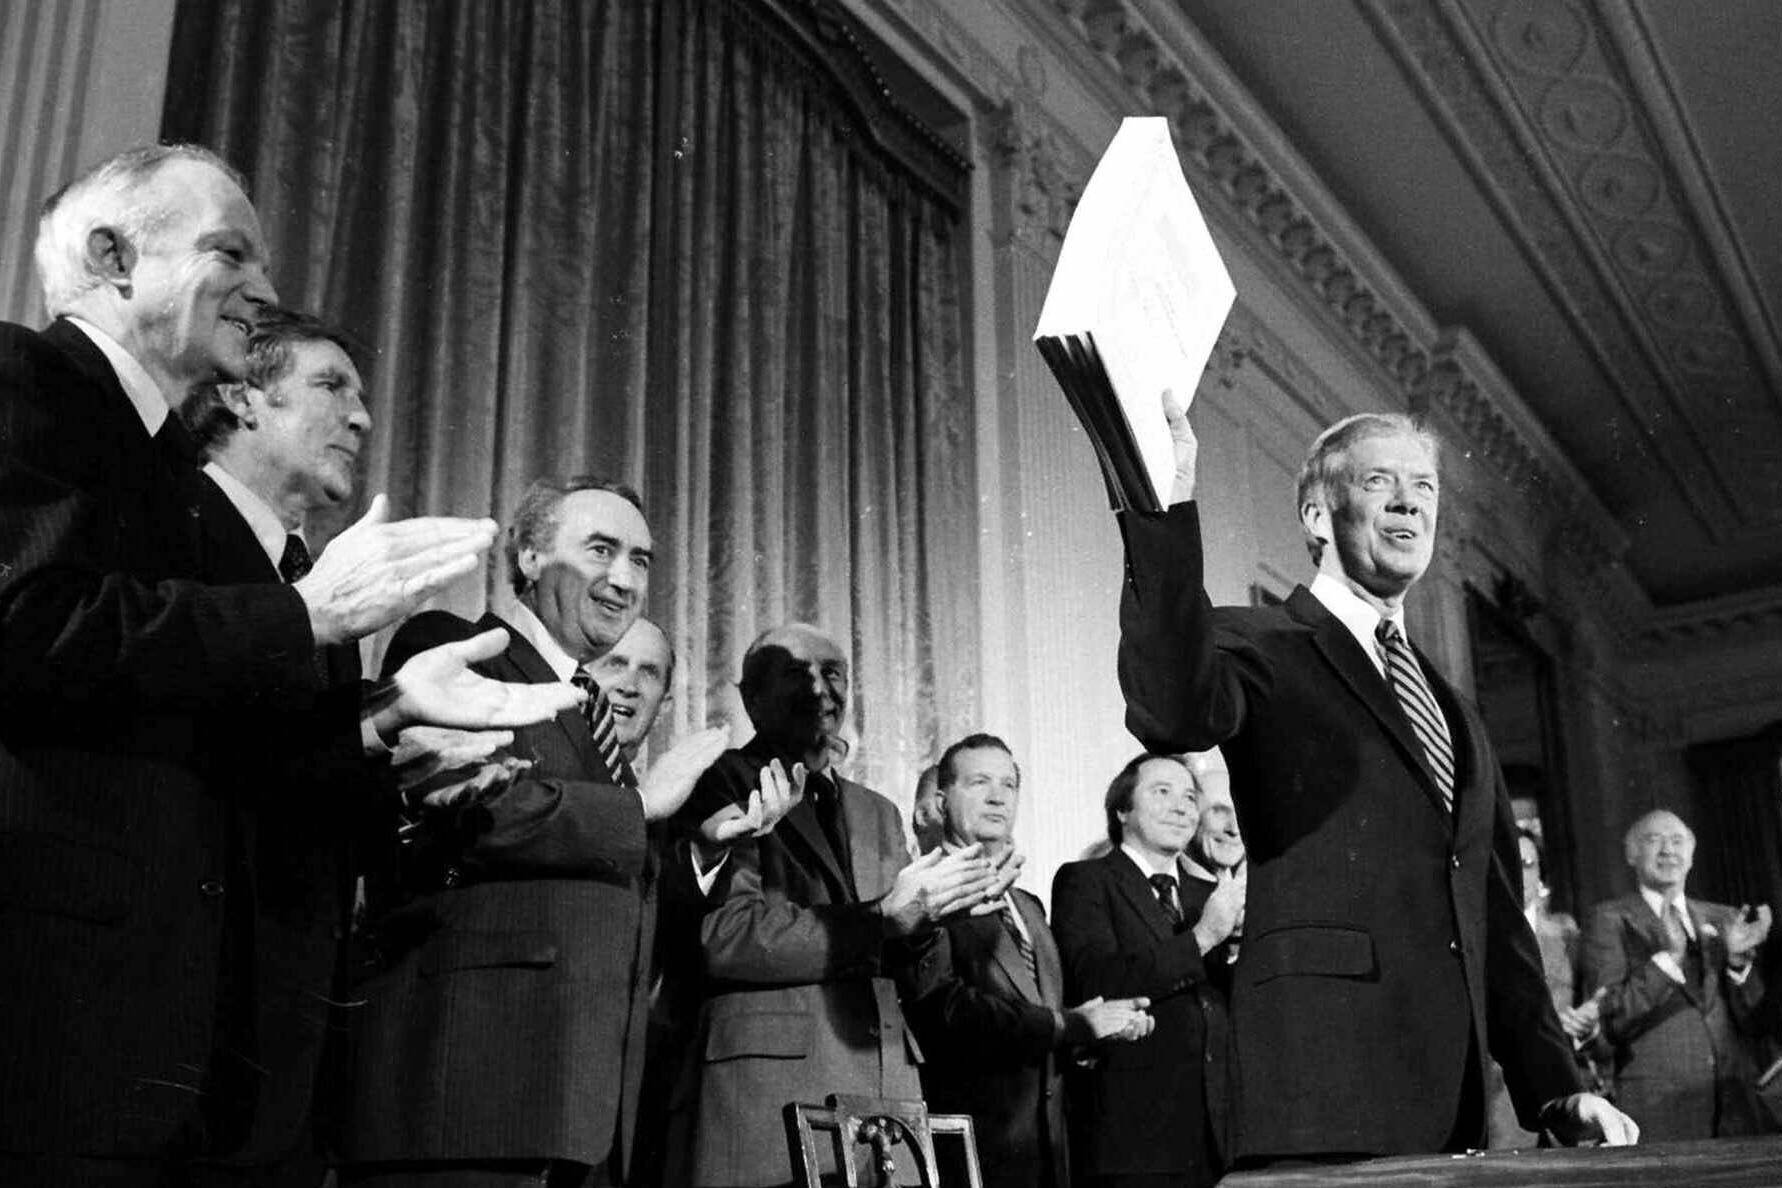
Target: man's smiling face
589	587
1381	514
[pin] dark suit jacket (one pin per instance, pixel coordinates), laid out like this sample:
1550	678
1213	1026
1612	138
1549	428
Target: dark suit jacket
1683	1062
120	839
799	997
1384	946
506	1017
1145	1108
991	1030
312	793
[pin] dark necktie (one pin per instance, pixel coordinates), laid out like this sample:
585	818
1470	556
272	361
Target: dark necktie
296	560
598	711
1023	945
825	800
1405	676
1165	886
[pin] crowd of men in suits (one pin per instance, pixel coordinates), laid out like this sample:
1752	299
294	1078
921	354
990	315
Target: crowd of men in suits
566	970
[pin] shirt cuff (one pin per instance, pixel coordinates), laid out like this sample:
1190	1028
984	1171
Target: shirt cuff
373	746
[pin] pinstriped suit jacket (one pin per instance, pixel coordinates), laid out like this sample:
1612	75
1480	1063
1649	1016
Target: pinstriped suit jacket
119	845
1683	1062
507	1020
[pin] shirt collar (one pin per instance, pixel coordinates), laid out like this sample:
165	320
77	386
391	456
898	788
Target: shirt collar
145	396
1356	613
533	629
1195	870
1656	902
1144	863
268	529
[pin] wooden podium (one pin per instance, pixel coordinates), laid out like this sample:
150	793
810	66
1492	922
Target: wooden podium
1722	1163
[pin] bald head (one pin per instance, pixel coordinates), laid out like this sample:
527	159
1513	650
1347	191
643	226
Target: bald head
795	690
1660	851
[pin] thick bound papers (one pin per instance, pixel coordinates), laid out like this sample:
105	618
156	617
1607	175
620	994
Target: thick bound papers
1136	302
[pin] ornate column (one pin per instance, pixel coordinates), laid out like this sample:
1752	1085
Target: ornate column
1052	560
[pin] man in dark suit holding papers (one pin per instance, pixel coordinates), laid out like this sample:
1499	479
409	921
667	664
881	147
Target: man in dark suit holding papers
1385	949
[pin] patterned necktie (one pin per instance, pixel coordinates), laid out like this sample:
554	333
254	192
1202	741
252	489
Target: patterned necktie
1023	945
598	711
1679	944
1414	697
296	560
1165	886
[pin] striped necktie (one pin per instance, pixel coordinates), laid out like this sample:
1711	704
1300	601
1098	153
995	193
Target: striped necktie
1023	945
1405	676
598	711
1165	886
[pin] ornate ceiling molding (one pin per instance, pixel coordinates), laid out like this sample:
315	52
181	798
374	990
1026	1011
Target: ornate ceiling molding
1236	154
1717	621
1540	110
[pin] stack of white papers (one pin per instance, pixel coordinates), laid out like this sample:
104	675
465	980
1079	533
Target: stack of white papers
1136	303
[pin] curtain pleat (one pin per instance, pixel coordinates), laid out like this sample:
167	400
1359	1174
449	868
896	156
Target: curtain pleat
643	240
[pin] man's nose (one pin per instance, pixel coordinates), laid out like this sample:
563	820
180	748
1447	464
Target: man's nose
622	574
259	288
358	418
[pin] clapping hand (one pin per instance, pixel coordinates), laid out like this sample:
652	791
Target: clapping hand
1007	870
1123	1019
772	799
379	571
1224	909
438	687
935	886
439	768
1744	933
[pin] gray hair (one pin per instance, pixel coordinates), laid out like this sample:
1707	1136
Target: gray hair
111	194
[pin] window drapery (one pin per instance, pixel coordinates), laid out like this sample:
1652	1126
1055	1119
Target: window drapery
654	241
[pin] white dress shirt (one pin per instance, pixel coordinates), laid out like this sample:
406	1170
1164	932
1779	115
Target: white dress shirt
265	523
1359	615
145	396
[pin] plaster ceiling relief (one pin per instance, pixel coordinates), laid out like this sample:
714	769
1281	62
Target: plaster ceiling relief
1587	187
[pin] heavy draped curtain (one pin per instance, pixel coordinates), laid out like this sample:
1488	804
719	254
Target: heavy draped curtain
655	241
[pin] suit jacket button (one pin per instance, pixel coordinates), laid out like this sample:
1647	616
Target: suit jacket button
1455	859
210	887
1454	947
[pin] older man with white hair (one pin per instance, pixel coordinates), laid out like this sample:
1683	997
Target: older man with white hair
1680	992
130	671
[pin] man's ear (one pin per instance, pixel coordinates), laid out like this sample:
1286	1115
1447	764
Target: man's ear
530	565
240	399
1314	517
111	257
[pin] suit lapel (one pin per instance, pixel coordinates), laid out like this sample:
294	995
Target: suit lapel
535	670
1357	672
1045	949
1139	895
1646	923
803	820
150	472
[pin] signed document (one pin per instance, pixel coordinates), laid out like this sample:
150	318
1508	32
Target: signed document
1136	303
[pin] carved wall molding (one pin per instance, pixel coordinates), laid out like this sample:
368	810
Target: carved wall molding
1040	170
